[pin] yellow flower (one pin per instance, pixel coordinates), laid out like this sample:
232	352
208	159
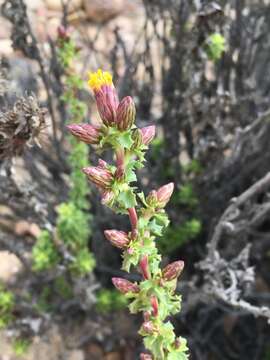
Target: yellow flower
99	79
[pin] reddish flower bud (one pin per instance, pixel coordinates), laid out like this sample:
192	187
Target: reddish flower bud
99	176
154	304
125	114
148	327
119	239
173	270
106	97
177	343
144	267
146	316
107	197
137	138
84	132
103	164
148	134
164	194
63	32
125	286
107	103
144	356
152	198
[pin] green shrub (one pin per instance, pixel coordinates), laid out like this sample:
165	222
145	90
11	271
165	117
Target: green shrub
110	300
7	304
73	226
215	46
84	262
44	252
186	196
177	236
20	346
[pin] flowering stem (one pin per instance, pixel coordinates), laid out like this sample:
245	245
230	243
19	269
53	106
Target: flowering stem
155	295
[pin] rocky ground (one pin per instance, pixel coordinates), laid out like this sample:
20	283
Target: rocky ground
85	16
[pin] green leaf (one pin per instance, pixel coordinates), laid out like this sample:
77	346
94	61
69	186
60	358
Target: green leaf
127	199
155	228
125	140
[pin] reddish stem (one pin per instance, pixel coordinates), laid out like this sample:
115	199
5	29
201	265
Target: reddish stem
120	162
133	220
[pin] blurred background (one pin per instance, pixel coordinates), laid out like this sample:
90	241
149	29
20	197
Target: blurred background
199	71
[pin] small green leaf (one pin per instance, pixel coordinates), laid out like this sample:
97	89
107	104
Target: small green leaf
125	140
127	199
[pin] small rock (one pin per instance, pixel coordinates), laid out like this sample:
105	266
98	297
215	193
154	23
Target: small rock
23	227
94	352
56	5
102	11
113	356
76	355
10	265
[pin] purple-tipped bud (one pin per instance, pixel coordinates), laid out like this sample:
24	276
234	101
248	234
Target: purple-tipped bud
164	194
101	177
148	327
125	286
177	343
144	356
144	267
152	198
125	115
119	239
63	32
107	197
107	103
154	303
148	134
173	270
137	138
103	164
84	132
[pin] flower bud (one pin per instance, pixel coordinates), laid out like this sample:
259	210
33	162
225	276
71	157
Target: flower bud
148	327
63	33
103	164
101	177
119	239
164	194
177	343
152	198
144	356
125	286
144	267
107	105
154	304
106	97
125	115
107	197
173	270
148	134
84	132
146	316
137	138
